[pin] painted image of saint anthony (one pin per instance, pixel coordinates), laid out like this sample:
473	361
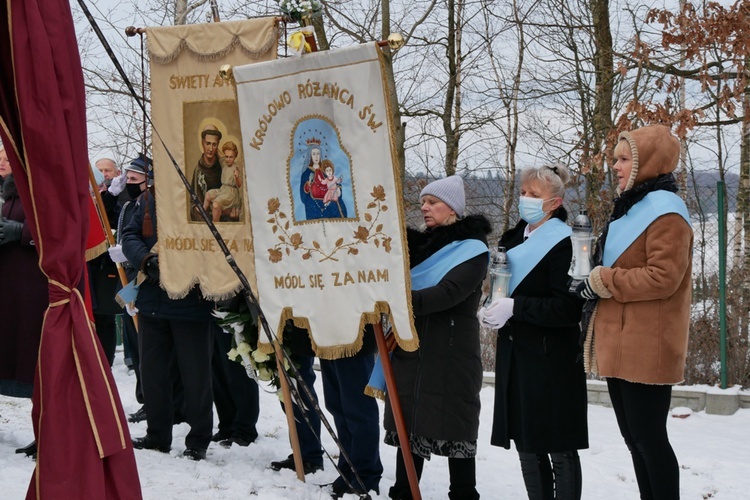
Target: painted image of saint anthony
207	174
314	188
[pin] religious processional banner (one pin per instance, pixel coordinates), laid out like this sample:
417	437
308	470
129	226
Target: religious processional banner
194	111
325	197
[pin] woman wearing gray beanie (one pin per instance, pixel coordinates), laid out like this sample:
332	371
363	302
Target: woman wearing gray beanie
439	384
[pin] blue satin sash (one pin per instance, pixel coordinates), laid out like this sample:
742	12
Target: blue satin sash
524	257
424	275
430	271
625	230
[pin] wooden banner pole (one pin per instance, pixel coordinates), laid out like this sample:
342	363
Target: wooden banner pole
398	416
107	231
289	410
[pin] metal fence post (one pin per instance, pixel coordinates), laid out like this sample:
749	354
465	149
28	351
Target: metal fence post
722	281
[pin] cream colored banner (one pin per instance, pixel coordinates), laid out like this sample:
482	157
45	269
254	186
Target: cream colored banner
195	113
325	197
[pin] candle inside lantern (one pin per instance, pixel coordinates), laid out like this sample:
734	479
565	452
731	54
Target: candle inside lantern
499	275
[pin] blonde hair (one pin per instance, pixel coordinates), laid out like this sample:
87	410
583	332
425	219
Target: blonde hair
622	146
230	146
553	176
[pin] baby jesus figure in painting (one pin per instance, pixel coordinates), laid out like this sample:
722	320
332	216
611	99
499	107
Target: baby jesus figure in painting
332	183
227	199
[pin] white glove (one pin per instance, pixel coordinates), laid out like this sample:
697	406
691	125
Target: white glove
118	184
496	314
115	253
131	309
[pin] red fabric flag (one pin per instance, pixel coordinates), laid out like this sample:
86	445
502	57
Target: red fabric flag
96	243
84	447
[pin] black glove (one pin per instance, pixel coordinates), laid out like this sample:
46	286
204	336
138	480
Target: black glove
10	230
584	290
152	269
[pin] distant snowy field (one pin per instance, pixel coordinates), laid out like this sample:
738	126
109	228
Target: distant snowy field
713	451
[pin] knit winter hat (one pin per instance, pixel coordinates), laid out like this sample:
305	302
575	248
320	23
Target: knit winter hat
450	191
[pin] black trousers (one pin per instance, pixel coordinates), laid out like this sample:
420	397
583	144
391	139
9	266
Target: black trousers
552	476
131	334
642	411
462	472
356	416
236	395
190	344
106	331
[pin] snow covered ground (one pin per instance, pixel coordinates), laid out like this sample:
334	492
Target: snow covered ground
714	454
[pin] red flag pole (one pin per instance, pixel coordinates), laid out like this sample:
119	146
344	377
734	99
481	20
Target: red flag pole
104	221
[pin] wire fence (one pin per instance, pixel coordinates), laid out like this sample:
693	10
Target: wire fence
704	361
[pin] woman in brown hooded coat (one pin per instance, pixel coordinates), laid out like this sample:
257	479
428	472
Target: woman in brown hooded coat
638	313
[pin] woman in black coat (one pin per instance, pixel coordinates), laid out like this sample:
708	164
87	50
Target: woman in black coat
540	388
439	384
24	295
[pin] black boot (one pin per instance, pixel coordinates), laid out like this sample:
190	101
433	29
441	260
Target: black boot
537	475
463	477
29	450
401	490
567	469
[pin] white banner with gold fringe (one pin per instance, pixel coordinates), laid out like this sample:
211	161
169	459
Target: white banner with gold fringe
195	113
325	197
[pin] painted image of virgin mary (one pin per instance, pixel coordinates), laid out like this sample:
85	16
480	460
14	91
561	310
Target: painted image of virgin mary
313	188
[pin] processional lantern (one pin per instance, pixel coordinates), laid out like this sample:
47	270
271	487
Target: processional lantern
499	275
582	239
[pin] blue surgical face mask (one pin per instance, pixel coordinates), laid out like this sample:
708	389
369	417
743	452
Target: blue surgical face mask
530	209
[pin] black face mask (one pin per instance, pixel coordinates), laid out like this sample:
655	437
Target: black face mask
134	190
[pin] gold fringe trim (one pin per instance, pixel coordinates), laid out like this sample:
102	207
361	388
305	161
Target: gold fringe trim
337	351
375	393
181	294
236	42
96	251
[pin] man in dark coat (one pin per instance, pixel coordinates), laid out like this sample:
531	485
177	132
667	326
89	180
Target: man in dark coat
136	177
169	327
103	275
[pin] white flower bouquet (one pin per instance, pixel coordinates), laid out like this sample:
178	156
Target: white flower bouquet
260	366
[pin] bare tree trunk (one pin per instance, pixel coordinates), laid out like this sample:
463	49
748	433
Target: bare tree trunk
512	124
399	131
742	213
451	130
182	9
320	32
602	114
